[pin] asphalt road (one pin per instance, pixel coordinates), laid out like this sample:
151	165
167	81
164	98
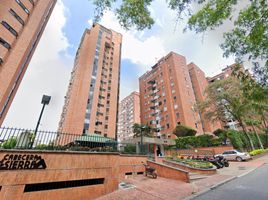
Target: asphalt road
253	186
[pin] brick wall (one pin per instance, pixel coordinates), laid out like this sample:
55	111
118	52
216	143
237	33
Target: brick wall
66	166
166	171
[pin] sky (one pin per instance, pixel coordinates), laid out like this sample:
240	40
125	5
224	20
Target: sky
50	68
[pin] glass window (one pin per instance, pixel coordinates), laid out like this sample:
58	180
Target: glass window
8	27
32	2
4	43
16	16
23	7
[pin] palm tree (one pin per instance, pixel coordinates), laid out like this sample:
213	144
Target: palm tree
141	130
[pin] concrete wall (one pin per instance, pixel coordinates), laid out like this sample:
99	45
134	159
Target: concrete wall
166	171
66	166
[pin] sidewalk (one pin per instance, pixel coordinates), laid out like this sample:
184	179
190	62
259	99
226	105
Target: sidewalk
161	188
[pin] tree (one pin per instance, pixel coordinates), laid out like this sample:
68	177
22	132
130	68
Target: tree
183	131
142	130
222	134
225	101
257	97
248	38
252	123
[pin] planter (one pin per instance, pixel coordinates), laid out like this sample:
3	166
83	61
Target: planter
190	169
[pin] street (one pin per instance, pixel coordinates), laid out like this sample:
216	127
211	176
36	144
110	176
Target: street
252	186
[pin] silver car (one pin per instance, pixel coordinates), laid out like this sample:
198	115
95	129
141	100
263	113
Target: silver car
235	155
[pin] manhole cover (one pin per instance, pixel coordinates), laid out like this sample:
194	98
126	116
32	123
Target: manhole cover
125	186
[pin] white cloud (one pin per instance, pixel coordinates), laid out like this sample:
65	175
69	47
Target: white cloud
48	73
90	22
146	47
167	35
143	52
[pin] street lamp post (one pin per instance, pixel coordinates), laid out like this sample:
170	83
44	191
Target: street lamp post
45	101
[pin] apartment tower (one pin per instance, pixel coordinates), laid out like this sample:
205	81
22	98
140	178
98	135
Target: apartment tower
129	114
22	24
167	97
199	84
91	102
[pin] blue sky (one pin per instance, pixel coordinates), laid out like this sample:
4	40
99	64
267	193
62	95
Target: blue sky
51	65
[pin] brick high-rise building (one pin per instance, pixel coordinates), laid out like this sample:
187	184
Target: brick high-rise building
226	72
199	83
91	103
167	97
129	114
22	24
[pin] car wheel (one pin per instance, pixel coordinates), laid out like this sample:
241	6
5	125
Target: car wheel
239	159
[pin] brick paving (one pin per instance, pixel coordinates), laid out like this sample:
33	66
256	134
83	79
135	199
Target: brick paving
161	188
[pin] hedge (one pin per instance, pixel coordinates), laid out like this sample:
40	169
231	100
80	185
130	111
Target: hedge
196	141
240	141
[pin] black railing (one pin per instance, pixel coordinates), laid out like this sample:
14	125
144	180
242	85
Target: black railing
17	138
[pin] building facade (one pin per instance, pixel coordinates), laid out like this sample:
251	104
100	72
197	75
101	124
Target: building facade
91	102
22	24
167	97
129	114
199	84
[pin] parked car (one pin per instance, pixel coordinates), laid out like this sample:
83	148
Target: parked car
235	155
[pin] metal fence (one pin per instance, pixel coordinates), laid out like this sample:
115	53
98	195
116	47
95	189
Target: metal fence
17	138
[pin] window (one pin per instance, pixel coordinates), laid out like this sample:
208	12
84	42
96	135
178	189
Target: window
32	2
100	105
167	126
178	115
23	7
17	16
1	61
4	43
106	127
106	118
8	27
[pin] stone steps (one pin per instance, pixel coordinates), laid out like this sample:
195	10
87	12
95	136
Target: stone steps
196	176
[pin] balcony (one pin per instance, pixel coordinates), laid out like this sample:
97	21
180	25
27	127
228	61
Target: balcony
152	82
152	107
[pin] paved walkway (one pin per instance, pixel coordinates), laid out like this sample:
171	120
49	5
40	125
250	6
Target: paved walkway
161	188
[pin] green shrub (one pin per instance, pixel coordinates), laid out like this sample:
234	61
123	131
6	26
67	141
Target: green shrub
197	141
42	147
236	140
10	143
130	149
258	151
183	131
195	163
240	141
